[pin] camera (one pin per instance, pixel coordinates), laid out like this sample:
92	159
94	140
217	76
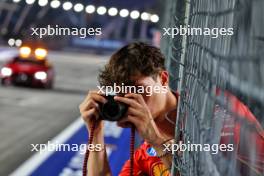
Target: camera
112	110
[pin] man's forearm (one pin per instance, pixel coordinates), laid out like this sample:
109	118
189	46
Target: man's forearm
97	161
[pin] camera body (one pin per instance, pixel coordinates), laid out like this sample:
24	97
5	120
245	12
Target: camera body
112	110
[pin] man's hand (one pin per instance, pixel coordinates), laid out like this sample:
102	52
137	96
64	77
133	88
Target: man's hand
139	114
89	110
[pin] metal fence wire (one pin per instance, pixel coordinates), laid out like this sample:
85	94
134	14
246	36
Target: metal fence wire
213	74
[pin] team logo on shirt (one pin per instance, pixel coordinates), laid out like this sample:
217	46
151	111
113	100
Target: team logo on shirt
151	151
159	169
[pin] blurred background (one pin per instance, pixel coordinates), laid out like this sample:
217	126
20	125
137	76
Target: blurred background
121	21
39	97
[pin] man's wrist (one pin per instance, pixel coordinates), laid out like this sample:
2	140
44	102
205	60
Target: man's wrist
158	141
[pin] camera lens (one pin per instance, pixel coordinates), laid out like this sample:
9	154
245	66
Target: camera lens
112	110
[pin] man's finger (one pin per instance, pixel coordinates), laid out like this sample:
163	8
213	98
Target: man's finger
91	93
128	101
89	113
138	97
134	112
91	104
98	98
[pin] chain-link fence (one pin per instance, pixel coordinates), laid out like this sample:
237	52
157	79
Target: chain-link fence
220	81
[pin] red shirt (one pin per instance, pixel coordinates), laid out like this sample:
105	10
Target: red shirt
147	164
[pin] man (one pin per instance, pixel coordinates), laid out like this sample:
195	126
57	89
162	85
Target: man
153	116
141	65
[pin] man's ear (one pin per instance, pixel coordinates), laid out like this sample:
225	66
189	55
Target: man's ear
164	77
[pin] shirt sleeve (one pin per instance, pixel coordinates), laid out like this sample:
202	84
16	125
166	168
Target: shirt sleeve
126	169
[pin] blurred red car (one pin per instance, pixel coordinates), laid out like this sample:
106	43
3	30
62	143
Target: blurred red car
29	69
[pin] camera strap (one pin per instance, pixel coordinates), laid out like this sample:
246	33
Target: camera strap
132	149
90	140
87	152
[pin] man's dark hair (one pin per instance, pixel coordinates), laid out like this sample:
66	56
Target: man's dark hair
135	59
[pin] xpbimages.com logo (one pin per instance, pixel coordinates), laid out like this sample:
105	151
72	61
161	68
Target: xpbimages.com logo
196	31
213	148
65	31
124	89
56	146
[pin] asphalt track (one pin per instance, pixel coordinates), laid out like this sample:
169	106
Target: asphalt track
34	116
